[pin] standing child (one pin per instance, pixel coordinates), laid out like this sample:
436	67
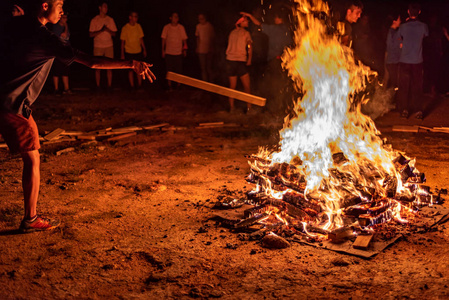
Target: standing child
204	46
174	45
59	69
133	47
238	55
410	82
393	52
102	28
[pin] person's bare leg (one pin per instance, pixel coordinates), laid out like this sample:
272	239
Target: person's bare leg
246	87
139	80
232	85
109	74
97	77
30	181
131	78
56	83
65	81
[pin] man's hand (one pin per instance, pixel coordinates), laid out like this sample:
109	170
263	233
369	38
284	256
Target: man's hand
143	69
107	29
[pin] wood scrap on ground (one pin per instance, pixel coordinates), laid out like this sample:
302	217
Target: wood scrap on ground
406	128
362	242
66	150
109	134
121	136
127	129
158	126
54	134
419	128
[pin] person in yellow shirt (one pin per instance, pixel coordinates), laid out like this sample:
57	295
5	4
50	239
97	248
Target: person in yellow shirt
133	47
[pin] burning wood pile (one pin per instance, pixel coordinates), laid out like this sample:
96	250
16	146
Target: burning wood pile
332	177
283	206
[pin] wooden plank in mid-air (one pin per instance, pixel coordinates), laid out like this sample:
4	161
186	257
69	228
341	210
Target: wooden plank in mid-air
214	88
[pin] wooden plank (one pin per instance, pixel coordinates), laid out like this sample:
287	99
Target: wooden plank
406	128
362	242
173	128
86	137
150	127
66	150
98	131
127	129
440	129
61	140
211	124
72	133
217	89
54	134
122	136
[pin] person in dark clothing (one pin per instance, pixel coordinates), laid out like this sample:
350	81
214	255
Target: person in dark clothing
445	62
353	13
393	53
410	83
432	55
27	51
279	38
59	69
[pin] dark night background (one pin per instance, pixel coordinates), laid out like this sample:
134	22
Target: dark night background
153	15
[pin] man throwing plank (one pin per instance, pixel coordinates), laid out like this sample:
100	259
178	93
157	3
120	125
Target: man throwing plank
27	51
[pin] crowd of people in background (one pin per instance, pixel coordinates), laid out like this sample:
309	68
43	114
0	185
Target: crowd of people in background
416	56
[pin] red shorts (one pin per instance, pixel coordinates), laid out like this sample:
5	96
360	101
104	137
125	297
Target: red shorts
20	134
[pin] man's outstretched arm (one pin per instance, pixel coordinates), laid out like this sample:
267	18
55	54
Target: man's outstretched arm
96	62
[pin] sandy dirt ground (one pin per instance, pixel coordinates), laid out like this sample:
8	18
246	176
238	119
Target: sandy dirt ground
136	214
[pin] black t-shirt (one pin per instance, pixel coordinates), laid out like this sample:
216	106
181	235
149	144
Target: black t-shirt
27	51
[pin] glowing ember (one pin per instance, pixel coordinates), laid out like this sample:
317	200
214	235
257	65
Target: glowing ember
331	163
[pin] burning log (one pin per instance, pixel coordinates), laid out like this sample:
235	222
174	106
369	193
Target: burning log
367	220
311	206
252	220
341	234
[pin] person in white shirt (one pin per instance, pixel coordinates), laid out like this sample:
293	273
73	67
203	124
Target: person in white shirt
102	28
204	46
174	45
